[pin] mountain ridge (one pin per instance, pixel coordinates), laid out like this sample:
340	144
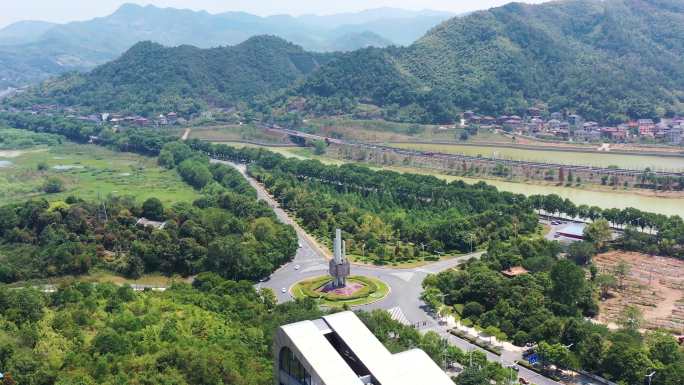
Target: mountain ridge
102	39
605	60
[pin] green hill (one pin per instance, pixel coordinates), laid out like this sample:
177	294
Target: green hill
605	59
150	78
32	51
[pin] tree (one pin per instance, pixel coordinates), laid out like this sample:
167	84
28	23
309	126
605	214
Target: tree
472	375
621	271
153	209
581	252
605	282
599	233
319	147
557	354
53	185
8	379
568	283
627	363
664	348
631	318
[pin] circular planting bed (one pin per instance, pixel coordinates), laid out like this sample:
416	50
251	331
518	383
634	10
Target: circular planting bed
359	290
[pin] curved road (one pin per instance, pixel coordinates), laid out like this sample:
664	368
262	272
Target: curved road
405	284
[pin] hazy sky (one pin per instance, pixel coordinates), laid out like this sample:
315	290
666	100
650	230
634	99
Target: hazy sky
70	10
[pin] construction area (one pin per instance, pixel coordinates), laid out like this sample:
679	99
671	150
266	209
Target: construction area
653	284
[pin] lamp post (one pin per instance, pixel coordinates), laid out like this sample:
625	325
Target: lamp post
650	377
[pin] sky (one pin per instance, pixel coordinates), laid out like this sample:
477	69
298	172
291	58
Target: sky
61	11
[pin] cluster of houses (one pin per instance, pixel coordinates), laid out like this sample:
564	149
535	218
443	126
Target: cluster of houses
162	120
115	119
574	127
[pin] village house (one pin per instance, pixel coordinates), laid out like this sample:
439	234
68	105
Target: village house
615	134
534	112
646	127
553	124
556	116
676	135
575	120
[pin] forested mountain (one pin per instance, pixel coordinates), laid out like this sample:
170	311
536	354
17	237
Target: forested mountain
24	32
31	51
606	59
150	78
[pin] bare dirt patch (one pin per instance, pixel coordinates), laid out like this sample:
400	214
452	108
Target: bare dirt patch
12	153
654	284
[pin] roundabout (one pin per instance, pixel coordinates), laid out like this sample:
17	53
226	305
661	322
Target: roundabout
359	290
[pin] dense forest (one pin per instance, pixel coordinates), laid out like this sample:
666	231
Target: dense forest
150	79
392	217
606	60
227	231
547	307
397	211
214	332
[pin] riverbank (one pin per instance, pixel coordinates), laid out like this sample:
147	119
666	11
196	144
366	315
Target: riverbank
669	203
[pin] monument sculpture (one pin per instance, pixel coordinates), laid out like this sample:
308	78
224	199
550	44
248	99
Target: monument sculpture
339	265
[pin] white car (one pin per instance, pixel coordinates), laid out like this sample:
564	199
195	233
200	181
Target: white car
283	290
300	246
296	267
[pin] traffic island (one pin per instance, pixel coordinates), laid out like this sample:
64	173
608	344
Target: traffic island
359	290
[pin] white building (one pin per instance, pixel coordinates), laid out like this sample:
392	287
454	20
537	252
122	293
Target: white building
339	350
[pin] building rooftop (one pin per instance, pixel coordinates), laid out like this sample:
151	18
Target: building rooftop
341	350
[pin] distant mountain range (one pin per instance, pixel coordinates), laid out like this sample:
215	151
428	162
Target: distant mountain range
31	50
608	60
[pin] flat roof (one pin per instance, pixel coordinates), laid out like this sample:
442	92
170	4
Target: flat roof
576	229
408	368
320	354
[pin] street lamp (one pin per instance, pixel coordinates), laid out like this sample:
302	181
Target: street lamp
650	377
511	367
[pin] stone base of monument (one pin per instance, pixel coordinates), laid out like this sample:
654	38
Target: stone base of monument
359	290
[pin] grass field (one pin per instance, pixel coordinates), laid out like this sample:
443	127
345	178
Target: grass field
235	132
87	171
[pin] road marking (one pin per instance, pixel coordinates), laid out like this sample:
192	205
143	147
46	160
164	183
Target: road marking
405	276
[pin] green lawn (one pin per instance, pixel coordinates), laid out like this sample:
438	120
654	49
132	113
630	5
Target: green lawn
87	171
382	291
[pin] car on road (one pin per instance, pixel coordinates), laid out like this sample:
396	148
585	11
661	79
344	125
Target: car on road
300	246
296	267
283	290
523	381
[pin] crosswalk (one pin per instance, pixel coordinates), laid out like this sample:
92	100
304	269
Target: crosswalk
398	315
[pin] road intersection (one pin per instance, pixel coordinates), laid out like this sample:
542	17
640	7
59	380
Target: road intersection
406	284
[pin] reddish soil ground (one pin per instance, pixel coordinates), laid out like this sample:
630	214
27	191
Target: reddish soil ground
655	285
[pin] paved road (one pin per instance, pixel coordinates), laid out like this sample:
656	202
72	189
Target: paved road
406	284
312	260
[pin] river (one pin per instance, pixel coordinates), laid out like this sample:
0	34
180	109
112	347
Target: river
601	198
